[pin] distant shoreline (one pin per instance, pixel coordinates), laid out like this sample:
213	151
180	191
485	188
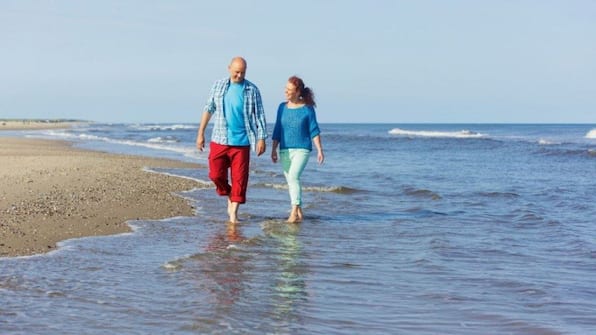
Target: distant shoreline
27	124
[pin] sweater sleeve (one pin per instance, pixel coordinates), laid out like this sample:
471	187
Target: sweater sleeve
277	128
314	125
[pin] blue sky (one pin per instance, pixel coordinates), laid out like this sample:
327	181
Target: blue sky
367	61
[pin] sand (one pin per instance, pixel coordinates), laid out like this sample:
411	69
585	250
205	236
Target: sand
50	192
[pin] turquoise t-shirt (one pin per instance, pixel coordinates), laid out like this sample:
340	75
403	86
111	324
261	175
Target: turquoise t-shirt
234	112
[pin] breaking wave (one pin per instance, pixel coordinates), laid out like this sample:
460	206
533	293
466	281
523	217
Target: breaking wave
427	133
321	189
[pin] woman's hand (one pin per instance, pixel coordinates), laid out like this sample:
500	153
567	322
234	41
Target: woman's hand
320	157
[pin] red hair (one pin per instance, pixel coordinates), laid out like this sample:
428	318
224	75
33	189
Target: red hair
306	94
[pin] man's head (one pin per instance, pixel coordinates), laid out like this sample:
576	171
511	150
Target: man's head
237	69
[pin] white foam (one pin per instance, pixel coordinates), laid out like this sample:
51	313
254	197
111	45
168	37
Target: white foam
428	133
591	134
276	186
186	151
155	127
164	139
546	142
172	266
61	134
204	183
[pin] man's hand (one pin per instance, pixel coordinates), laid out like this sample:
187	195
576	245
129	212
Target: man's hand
200	142
261	147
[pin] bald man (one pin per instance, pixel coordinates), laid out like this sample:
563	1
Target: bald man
235	104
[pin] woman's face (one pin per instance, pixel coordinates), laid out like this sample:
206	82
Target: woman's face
291	92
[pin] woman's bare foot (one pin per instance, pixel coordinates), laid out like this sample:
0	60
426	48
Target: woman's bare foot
299	214
295	215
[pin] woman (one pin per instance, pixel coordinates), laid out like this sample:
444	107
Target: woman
295	130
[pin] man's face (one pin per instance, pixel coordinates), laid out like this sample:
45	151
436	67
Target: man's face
237	72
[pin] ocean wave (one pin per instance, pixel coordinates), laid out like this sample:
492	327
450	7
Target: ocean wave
331	189
187	151
65	135
320	189
591	134
428	133
164	144
202	183
569	152
547	142
164	139
421	193
506	195
161	127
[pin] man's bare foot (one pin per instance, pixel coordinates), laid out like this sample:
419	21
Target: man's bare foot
233	211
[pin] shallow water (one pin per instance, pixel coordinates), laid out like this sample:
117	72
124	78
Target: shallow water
450	229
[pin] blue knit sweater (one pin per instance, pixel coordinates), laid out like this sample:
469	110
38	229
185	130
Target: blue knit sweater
295	127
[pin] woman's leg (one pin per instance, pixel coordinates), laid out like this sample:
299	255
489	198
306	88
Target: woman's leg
293	162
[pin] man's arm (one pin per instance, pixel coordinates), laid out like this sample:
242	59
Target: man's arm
261	125
201	132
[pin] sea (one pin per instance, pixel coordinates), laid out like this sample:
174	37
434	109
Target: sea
408	229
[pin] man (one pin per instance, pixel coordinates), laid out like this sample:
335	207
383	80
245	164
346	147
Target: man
239	125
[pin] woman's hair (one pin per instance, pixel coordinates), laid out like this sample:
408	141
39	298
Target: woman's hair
306	93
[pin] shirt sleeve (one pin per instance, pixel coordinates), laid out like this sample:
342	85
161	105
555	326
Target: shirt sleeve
210	104
260	117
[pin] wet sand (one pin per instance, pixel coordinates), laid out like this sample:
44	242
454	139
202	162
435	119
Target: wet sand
50	191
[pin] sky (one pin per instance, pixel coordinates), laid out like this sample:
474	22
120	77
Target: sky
374	61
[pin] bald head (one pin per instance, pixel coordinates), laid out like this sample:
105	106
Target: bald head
237	69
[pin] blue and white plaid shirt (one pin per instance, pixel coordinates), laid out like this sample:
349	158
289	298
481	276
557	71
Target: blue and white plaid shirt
254	113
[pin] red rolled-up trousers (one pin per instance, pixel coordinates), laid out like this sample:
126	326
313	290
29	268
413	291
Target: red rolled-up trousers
237	160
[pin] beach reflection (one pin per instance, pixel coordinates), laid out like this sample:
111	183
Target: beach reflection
223	265
289	286
244	278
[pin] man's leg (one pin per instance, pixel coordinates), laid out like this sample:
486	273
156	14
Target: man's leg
240	163
219	163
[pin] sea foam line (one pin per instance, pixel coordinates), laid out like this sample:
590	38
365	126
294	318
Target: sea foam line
160	144
320	189
204	183
591	134
156	127
427	133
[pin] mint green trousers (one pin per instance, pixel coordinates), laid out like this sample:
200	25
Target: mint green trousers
293	162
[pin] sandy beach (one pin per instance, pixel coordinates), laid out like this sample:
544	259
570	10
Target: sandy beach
50	191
